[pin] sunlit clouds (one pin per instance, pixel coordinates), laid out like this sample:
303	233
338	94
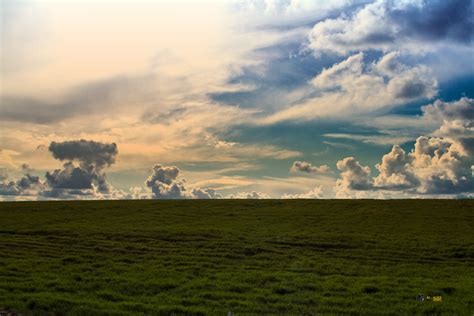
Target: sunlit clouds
236	99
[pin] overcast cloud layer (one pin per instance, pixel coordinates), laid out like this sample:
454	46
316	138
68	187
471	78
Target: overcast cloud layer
236	99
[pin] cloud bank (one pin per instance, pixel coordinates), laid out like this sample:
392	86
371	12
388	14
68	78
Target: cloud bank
440	164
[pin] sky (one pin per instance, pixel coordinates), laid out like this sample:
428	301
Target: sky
122	99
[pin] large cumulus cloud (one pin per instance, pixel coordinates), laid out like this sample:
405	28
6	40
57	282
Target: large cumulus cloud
396	171
456	119
354	176
81	177
164	184
83	171
438	164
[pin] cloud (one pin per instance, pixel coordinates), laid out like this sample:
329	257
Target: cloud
316	193
440	111
28	185
88	177
303	166
81	177
379	139
165	184
71	177
356	87
254	195
395	171
241	151
435	166
456	119
286	14
138	193
88	153
85	99
439	164
354	176
443	166
26	167
206	194
389	79
387	25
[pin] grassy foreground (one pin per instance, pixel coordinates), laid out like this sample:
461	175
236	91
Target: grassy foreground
248	257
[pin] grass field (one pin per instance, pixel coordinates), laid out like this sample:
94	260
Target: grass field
245	256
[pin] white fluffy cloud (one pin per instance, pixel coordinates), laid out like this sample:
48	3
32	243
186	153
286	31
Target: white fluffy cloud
164	183
281	12
254	195
386	25
456	119
316	193
355	87
435	166
395	171
354	176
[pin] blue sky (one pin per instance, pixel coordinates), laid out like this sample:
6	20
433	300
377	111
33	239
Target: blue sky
236	99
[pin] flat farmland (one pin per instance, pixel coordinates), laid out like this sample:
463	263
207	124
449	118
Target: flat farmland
290	257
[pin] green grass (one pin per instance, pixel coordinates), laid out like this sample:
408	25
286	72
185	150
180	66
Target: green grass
248	257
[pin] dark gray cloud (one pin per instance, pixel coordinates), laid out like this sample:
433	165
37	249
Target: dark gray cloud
92	157
86	152
436	20
28	182
462	109
68	194
27	185
411	90
26	167
304	166
71	177
25	109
